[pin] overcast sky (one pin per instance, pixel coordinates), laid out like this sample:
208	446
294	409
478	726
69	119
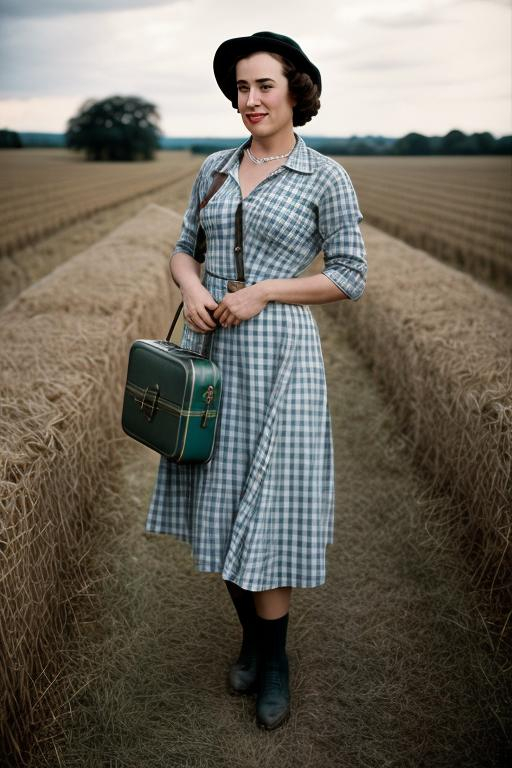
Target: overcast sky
387	67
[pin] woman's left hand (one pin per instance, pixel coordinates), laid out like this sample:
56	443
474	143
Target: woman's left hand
241	305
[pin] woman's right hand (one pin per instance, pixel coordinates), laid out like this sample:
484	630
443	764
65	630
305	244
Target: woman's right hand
198	303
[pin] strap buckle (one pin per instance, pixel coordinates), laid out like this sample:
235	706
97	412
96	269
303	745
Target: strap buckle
235	285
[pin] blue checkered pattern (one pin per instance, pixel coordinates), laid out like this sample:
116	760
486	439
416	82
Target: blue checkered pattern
261	512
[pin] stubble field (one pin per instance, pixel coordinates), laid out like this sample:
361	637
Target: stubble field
401	658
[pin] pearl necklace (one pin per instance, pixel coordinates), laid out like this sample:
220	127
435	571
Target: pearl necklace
260	160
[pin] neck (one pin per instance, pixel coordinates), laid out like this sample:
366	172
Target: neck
265	146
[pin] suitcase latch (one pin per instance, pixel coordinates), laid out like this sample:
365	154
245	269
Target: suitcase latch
148	408
208	396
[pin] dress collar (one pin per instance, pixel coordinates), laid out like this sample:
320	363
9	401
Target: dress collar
298	160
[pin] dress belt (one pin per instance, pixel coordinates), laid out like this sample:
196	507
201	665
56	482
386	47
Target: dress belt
215	275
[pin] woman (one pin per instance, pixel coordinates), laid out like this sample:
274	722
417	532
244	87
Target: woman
261	511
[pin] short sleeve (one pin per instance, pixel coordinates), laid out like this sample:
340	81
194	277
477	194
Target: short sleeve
186	242
342	242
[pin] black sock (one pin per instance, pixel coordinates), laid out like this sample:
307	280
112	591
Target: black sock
272	636
244	605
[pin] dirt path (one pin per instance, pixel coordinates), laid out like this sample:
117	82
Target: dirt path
388	664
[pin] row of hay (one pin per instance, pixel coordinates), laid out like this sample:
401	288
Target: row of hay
48	216
441	346
483	262
64	345
455	208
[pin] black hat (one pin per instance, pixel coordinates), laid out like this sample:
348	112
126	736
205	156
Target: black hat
229	50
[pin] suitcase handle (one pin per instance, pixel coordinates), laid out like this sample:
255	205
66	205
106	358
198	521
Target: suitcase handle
210	334
171	329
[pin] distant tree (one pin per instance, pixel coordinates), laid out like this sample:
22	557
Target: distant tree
206	149
360	147
454	143
116	128
9	139
503	146
333	147
485	142
470	146
412	144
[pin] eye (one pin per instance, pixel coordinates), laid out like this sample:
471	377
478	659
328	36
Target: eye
243	87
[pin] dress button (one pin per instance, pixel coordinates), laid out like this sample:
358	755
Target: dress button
237	249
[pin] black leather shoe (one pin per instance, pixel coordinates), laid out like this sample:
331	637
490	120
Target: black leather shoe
243	677
273	700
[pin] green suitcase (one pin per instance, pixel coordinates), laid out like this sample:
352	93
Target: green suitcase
172	399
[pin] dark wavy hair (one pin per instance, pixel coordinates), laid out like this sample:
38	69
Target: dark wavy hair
300	85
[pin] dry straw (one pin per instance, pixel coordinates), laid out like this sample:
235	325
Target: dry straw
441	346
64	345
437	341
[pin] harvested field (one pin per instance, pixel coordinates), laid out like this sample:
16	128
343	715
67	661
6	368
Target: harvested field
22	268
389	663
100	619
64	343
45	222
45	190
443	354
458	209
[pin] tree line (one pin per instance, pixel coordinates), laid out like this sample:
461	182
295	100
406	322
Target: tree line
126	128
453	143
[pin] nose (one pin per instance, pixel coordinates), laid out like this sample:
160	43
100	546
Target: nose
253	97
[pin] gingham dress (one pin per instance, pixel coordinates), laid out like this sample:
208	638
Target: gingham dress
261	512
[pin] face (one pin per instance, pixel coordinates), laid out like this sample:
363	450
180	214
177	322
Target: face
263	89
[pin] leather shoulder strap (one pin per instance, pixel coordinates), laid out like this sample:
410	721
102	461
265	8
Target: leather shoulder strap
200	248
218	181
216	184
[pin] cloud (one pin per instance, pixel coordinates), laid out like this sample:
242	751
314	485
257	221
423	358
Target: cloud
424	14
58	57
53	60
382	63
407	19
505	3
37	8
427	13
